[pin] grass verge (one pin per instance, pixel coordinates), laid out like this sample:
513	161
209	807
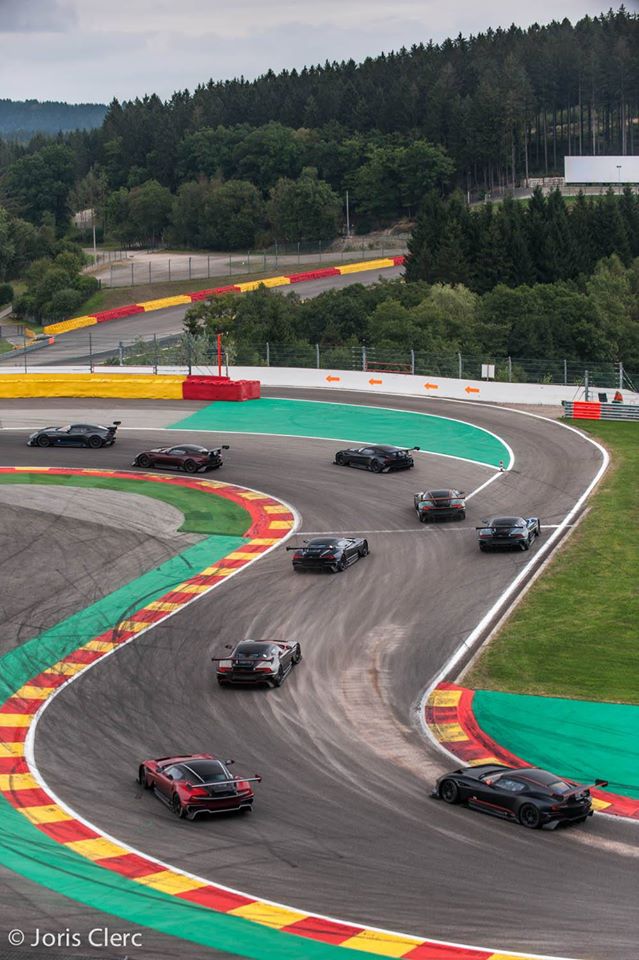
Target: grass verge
203	512
576	633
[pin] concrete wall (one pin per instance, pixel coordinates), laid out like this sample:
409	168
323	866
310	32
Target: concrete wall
334	381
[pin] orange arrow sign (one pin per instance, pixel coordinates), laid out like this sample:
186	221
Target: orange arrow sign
431	386
374	381
333	379
471	389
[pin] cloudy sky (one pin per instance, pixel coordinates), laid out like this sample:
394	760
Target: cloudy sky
94	50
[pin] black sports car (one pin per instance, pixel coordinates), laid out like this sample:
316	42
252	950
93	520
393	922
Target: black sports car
508	532
440	505
379	459
75	435
329	553
529	795
258	661
189	457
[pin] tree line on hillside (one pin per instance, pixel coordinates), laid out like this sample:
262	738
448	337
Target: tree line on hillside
513	243
470	112
21	119
594	317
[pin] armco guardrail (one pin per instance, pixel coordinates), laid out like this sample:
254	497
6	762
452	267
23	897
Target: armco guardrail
601	411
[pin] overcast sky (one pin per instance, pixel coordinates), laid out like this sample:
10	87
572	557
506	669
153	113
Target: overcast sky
94	50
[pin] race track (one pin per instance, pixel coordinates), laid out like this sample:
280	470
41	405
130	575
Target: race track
343	824
103	338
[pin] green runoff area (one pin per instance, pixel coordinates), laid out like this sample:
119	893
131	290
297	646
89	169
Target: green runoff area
203	512
573	641
350	423
35	856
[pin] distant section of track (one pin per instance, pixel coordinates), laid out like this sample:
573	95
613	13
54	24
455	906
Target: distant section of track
73	347
343	824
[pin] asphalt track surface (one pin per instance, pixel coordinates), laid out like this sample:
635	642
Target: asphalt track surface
76	347
343	824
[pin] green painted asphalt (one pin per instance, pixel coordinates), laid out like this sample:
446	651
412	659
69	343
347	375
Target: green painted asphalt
351	423
27	851
203	513
25	661
581	739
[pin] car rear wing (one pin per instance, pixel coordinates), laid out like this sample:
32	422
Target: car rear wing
261	660
220	783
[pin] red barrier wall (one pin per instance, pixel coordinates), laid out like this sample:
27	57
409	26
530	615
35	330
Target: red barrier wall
220	388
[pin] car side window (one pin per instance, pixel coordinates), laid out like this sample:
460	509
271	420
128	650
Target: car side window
367	451
174	773
177	451
514	786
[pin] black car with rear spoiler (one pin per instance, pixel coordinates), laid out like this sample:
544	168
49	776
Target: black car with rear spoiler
528	795
518	532
440	505
381	458
329	553
92	435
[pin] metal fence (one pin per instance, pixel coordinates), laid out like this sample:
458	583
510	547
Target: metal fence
95	347
137	268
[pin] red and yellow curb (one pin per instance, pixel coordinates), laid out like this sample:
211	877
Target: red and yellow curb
452	722
131	309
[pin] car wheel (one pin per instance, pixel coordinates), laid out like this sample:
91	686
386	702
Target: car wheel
529	816
525	545
461	515
95	442
341	566
190	466
222	683
297	654
423	518
176	807
143	460
144	783
449	791
364	550
483	547
44	441
376	466
278	680
340	460
538	529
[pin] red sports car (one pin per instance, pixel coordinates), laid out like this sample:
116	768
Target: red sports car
197	783
189	457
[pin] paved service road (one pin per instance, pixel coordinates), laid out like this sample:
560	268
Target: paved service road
343	824
102	339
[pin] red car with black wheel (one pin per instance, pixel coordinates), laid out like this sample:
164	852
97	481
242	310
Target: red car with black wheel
197	783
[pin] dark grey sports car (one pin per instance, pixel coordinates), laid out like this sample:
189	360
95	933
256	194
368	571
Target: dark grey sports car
531	796
440	505
258	661
75	435
517	532
379	459
329	553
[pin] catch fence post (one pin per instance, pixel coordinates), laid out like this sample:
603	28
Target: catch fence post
90	353
510	370
208	265
149	273
565	373
121	353
155	353
460	365
586	386
190	258
169	269
364	362
132	276
24	344
317	355
268	354
620	375
412	362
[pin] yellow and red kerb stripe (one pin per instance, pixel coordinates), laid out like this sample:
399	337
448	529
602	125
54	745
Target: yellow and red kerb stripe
449	715
20	786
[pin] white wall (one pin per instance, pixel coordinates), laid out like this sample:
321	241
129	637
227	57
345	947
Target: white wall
602	169
334	381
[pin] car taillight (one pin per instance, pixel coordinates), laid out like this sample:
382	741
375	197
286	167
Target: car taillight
265	667
243	787
518	536
298	555
224	666
329	556
198	792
